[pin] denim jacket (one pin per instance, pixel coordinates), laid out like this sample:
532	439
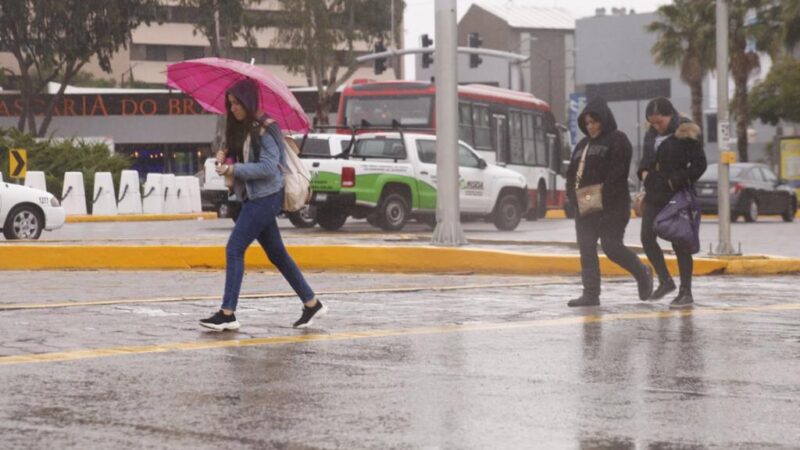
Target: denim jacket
263	177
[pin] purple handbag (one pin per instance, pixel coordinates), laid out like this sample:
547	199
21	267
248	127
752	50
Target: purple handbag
679	221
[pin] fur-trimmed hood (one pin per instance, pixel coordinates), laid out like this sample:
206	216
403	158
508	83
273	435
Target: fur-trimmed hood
688	130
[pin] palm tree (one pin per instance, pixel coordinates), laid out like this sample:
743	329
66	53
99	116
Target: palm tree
765	33
686	39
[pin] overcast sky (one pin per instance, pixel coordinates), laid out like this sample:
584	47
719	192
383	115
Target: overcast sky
419	16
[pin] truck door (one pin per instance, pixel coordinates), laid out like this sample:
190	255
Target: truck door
426	173
474	186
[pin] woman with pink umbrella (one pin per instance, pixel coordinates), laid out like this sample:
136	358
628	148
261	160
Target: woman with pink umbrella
257	153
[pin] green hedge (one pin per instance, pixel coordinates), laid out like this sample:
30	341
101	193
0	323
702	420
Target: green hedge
56	157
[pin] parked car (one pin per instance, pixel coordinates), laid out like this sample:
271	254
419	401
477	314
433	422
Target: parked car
25	212
754	190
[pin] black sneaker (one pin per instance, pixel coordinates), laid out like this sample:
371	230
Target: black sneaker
221	322
584	300
683	300
309	313
664	288
646	285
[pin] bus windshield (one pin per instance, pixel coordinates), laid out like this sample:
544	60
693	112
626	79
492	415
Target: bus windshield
380	111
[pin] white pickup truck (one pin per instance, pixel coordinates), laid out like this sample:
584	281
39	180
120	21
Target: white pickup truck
390	177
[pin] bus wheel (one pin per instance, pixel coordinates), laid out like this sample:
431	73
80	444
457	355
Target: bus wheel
393	212
541	202
508	212
331	219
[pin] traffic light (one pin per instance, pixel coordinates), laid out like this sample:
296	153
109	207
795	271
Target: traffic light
380	63
474	40
427	57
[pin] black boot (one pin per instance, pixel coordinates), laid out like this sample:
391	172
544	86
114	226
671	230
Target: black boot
646	284
664	288
585	300
683	300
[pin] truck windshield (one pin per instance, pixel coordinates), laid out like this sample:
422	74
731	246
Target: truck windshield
379	148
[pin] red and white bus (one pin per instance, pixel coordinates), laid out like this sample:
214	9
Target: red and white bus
508	128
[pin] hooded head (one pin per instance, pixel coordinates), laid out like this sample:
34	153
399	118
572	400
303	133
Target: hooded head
599	110
246	91
661	115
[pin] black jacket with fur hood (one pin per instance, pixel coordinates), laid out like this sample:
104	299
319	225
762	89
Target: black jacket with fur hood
676	164
608	162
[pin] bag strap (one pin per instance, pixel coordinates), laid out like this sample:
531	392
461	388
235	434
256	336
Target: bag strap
581	167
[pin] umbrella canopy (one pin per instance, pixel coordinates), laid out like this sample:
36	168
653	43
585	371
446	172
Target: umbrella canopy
207	80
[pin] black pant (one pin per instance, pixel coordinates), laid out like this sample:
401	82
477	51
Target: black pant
610	232
656	256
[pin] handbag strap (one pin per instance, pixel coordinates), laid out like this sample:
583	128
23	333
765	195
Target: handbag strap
581	167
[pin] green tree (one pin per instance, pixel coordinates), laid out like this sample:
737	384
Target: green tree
778	97
790	16
320	38
224	22
685	30
54	39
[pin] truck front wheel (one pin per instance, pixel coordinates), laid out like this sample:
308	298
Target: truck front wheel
331	219
393	212
508	212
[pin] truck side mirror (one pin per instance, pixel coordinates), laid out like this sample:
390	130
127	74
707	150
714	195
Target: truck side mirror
482	164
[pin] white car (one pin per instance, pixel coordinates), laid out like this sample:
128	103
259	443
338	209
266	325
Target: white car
25	212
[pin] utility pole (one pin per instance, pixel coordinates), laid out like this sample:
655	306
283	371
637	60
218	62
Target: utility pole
448	230
724	246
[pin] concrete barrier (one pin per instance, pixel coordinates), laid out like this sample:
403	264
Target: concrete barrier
73	195
183	195
130	196
35	179
194	194
104	198
171	205
153	197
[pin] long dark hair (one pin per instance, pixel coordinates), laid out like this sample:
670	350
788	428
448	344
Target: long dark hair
236	131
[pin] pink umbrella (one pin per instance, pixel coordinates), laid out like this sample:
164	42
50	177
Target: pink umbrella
207	80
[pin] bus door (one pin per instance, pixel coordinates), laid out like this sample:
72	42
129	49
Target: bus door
554	156
500	138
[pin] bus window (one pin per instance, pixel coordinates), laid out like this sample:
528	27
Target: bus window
480	119
501	138
528	146
541	144
465	123
515	138
412	111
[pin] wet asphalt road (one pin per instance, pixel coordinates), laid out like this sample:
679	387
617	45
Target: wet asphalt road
452	361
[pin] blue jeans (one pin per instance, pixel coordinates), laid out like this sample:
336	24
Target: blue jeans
257	222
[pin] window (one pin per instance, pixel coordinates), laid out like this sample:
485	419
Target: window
769	176
539	139
465	122
426	150
480	119
380	148
190	52
155	52
755	174
528	145
711	128
515	137
466	158
382	110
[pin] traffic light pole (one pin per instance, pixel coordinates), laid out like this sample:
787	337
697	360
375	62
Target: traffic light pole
448	230
516	57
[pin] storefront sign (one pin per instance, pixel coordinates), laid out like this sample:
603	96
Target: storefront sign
790	161
84	105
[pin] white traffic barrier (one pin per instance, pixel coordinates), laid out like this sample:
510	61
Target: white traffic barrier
170	193
182	192
153	197
35	179
189	194
194	197
73	196
104	198
130	197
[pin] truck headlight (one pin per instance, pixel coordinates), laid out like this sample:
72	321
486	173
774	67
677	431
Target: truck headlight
54	202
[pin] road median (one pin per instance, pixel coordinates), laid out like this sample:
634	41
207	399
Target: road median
350	258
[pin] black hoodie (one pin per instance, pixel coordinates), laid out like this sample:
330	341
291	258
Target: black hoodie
607	162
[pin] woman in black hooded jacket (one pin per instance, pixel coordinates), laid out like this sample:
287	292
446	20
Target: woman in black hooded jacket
673	159
608	161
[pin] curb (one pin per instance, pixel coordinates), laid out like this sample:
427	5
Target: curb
352	258
142	217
